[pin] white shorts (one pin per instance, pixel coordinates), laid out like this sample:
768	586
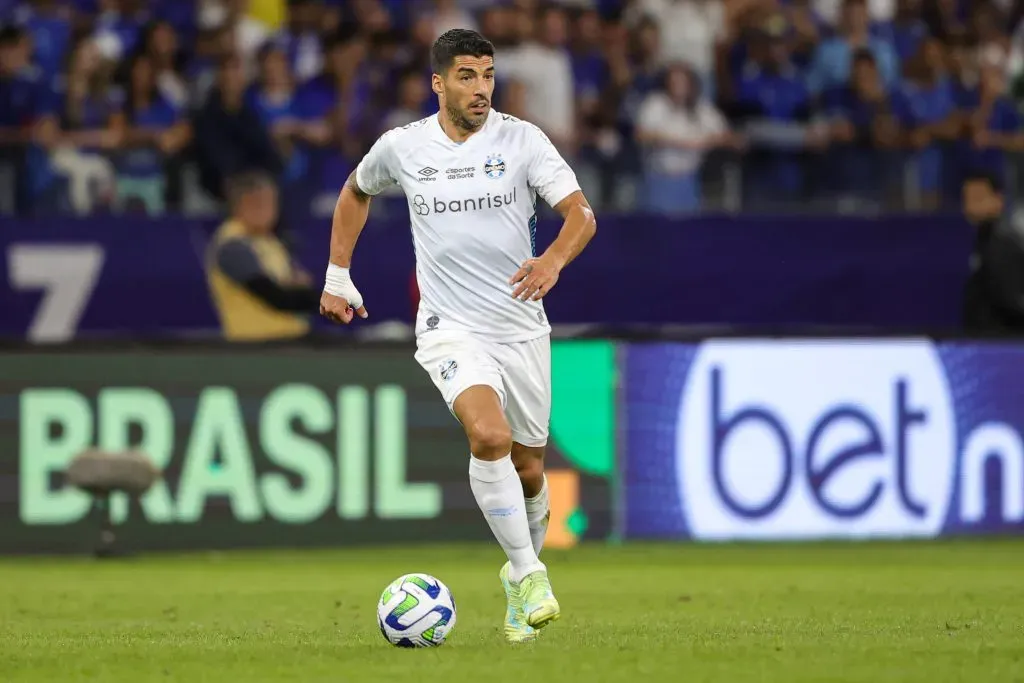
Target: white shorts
519	372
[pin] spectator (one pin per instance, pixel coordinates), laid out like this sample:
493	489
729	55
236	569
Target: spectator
994	293
878	10
414	101
349	70
832	61
155	131
691	31
301	39
676	127
214	47
995	125
90	110
380	72
118	27
928	114
906	31
865	134
446	14
947	18
230	137
607	136
248	34
543	66
634	71
274	100
988	28
807	28
963	71
371	16
24	104
774	106
159	42
421	38
497	23
339	162
49	24
590	72
180	15
342	86
258	291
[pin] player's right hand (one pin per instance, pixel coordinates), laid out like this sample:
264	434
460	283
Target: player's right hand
340	309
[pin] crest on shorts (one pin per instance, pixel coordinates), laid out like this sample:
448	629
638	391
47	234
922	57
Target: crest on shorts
448	369
432	322
494	166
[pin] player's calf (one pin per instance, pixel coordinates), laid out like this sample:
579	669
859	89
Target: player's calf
493	478
529	462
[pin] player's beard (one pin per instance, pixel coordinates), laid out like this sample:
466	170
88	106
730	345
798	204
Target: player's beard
462	120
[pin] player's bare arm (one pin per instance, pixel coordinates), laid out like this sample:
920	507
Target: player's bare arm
537	276
340	300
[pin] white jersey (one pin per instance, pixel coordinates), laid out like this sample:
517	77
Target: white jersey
472	208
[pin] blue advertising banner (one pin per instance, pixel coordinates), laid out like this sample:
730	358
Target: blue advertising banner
68	279
786	439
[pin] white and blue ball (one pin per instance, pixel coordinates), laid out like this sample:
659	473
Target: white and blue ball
416	610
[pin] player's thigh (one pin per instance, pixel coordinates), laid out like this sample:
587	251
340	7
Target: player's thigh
527	371
470	381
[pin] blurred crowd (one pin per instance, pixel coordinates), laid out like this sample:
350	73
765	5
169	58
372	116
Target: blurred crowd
144	105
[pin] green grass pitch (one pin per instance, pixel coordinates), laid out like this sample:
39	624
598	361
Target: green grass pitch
907	612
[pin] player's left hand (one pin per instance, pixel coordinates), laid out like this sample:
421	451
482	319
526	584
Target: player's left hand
534	279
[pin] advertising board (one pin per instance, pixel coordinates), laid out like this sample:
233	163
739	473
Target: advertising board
284	446
806	439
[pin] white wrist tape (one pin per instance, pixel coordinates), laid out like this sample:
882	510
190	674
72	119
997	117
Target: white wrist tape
338	282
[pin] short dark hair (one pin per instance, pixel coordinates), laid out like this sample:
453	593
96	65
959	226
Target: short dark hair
458	42
981	176
242	184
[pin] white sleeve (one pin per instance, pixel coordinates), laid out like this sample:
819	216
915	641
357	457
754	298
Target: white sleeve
376	172
549	174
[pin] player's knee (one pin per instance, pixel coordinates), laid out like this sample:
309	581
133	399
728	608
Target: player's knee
490	441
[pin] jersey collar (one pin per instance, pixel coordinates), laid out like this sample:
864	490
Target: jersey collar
492	116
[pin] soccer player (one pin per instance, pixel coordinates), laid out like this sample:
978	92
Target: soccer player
471	176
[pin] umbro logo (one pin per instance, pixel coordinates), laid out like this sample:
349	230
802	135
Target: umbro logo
427	173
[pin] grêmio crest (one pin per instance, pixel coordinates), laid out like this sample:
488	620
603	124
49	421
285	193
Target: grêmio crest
494	166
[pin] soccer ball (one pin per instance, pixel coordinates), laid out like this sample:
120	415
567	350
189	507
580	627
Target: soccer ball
416	610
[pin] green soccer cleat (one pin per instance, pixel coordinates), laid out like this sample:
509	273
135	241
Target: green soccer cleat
538	602
516	628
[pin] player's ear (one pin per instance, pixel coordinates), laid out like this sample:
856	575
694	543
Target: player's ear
436	84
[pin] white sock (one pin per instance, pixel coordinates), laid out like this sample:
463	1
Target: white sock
537	509
499	494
